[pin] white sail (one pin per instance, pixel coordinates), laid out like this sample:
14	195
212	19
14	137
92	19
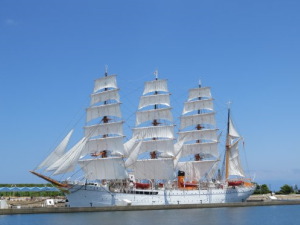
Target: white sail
205	118
58	152
105	96
105	82
161	99
154	169
198	105
134	152
232	131
112	144
208	148
69	160
178	151
195	170
103	168
235	166
155	85
154	132
150	115
199	93
207	134
212	172
104	128
103	110
129	145
164	146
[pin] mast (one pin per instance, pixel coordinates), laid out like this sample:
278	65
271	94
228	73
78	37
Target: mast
104	132
233	166
198	127
152	156
155	122
227	146
197	141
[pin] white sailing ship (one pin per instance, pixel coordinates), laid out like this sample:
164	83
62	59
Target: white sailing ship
153	167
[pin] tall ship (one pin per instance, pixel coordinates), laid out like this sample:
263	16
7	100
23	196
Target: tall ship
155	166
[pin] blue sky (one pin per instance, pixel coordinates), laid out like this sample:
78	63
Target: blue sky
247	51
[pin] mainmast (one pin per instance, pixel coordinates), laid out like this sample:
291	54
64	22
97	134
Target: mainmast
154	131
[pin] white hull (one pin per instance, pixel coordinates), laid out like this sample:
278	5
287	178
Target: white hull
99	196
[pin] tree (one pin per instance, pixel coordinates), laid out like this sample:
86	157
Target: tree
265	189
262	189
286	189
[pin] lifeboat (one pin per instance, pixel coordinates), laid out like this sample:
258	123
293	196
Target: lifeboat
189	185
235	183
142	185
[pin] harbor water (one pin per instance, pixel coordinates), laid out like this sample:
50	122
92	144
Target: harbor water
258	215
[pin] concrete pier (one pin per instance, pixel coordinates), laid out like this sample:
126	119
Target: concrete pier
140	208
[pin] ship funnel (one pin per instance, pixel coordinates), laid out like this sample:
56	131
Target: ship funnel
180	179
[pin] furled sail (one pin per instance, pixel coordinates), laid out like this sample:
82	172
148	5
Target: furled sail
58	152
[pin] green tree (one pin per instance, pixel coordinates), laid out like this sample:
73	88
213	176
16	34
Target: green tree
262	189
265	189
286	189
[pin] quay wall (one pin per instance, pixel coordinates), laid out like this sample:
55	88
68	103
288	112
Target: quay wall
140	208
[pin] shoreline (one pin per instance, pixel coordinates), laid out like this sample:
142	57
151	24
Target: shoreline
39	210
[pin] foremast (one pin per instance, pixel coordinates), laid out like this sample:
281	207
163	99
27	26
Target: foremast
100	152
104	132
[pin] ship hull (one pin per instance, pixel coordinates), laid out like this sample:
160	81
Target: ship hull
99	196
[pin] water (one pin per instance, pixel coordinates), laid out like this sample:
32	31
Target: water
260	215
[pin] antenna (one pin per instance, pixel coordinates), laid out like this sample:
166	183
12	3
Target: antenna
228	104
106	69
156	74
200	83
